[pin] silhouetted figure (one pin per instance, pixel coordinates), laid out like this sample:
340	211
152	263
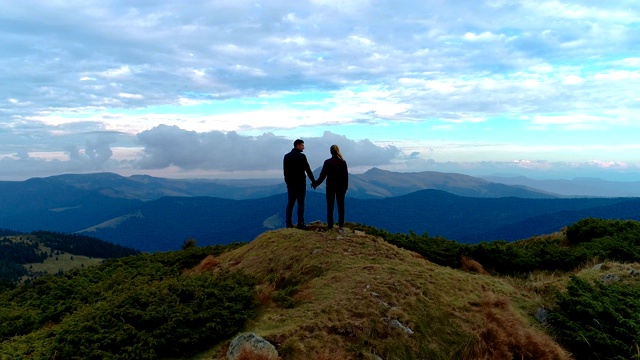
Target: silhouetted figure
335	170
295	166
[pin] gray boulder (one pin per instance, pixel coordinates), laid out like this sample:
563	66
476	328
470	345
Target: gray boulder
607	278
253	343
542	315
396	324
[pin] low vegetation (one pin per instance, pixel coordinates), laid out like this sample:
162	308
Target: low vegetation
594	318
615	240
323	295
27	256
141	307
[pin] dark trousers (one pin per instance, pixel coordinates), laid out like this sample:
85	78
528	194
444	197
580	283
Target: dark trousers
296	193
338	197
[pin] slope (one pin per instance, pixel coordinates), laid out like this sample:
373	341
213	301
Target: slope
331	296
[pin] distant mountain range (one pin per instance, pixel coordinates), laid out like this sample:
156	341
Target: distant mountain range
156	214
375	183
575	187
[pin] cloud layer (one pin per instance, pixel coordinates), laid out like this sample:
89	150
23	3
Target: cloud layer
225	86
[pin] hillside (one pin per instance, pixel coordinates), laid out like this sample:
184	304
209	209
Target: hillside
355	295
329	296
320	295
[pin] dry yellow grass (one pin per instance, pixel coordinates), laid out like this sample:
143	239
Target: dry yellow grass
346	290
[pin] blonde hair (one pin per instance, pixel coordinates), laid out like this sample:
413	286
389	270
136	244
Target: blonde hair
335	150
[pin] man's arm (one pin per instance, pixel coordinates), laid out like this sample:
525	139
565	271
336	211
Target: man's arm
284	168
322	175
308	170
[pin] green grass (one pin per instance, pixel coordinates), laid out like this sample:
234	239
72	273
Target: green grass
64	262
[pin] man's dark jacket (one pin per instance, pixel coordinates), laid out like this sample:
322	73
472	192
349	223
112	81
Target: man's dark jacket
295	166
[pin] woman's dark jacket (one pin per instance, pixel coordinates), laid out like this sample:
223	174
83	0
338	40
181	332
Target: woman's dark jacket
335	170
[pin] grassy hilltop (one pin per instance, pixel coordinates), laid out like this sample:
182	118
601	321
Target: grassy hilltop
361	295
327	296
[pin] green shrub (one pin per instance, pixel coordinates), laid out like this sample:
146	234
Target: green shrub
616	240
173	317
139	307
589	229
600	321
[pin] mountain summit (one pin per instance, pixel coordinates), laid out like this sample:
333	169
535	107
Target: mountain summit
326	295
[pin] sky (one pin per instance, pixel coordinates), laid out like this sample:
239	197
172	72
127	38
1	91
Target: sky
220	89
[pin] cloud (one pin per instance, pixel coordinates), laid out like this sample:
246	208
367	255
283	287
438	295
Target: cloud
165	146
217	73
95	155
361	153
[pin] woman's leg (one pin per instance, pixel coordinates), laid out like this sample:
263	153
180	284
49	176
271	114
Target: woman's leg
340	202
331	195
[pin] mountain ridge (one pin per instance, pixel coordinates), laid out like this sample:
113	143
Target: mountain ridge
136	211
375	183
579	186
165	223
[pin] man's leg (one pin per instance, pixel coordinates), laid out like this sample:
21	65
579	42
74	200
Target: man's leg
331	195
302	193
291	201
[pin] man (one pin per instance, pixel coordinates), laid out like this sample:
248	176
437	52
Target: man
295	166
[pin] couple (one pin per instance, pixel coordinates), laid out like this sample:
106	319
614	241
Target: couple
295	166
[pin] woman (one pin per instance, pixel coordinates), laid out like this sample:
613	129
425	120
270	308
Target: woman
335	170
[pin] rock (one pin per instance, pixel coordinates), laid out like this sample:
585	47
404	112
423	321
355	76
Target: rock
542	315
607	278
396	324
359	233
254	344
634	272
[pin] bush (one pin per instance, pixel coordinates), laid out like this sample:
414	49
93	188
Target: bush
589	229
139	307
174	317
598	321
616	240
